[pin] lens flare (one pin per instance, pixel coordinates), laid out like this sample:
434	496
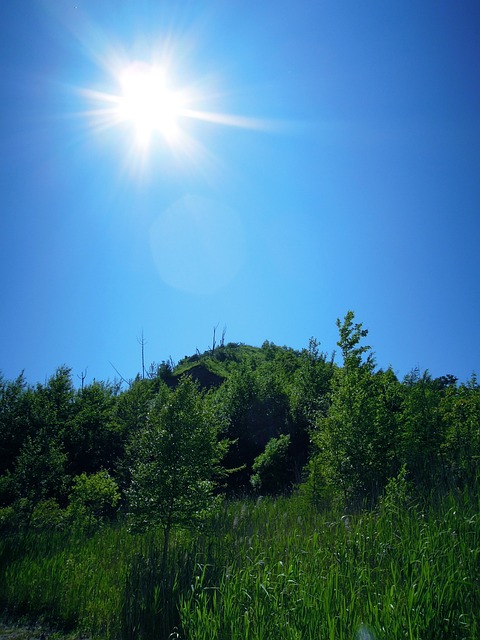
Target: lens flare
197	245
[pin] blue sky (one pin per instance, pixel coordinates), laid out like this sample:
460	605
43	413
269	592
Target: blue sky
338	168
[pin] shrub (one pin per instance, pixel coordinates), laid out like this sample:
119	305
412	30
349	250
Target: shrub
93	498
271	468
47	514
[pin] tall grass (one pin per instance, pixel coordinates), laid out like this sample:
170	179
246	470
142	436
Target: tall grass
266	569
108	585
393	574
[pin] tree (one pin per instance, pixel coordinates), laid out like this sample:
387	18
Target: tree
55	401
14	423
178	456
131	417
272	468
40	469
422	432
92	441
460	410
240	399
255	399
356	441
309	394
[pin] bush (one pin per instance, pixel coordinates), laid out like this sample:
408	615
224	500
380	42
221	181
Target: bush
7	489
47	514
398	495
16	516
317	491
272	467
93	498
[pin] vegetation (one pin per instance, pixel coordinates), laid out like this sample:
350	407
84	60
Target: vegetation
137	511
178	455
264	569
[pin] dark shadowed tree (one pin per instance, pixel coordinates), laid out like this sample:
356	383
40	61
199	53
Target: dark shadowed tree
14	419
92	439
40	469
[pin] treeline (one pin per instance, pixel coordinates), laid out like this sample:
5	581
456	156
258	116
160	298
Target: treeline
281	419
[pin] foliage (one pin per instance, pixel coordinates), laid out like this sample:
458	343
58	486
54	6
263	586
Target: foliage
93	498
309	395
256	401
48	515
356	441
13	419
7	489
397	497
266	569
317	491
460	448
351	427
90	436
271	468
178	456
422	430
40	468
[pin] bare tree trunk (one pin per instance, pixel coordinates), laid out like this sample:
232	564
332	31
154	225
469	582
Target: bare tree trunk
82	377
142	343
214	343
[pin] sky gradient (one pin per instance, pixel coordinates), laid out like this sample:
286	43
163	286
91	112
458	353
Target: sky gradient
338	169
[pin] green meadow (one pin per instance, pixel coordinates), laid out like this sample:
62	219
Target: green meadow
262	569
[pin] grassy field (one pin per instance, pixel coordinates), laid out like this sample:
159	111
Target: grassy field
265	569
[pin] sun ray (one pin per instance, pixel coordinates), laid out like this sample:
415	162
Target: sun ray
151	97
230	120
151	107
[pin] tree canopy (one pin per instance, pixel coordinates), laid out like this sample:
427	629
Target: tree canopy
290	417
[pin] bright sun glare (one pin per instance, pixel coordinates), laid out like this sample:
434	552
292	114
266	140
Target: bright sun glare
148	103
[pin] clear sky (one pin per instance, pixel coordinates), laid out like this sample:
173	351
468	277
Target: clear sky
277	164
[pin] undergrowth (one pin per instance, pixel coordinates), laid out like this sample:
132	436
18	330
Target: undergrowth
264	569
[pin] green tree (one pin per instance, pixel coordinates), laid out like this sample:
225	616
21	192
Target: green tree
272	471
423	430
309	394
93	498
179	453
14	423
240	398
131	417
92	439
54	402
356	440
460	411
32	421
40	469
255	399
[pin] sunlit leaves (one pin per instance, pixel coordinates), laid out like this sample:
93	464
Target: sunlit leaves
178	455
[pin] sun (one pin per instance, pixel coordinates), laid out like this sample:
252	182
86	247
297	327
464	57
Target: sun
148	103
154	108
